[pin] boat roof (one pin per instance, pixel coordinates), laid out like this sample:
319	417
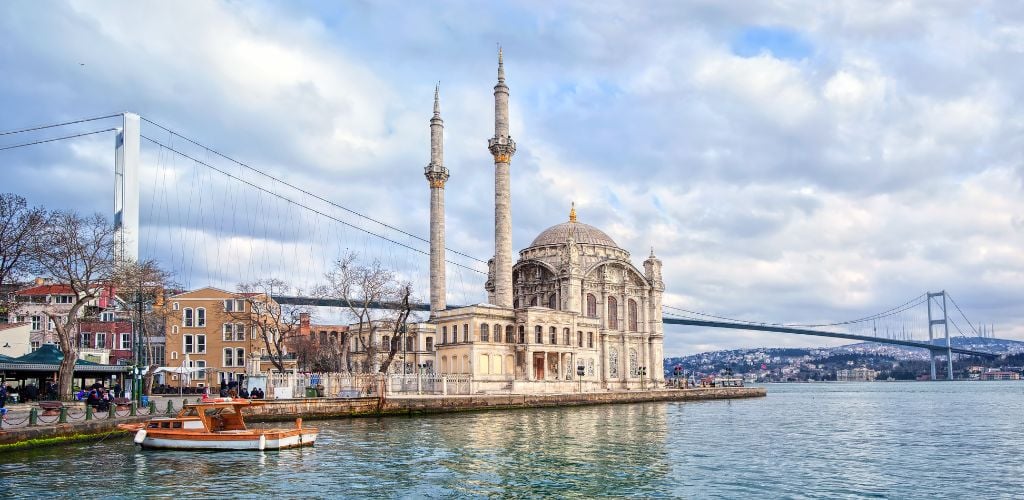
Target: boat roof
232	402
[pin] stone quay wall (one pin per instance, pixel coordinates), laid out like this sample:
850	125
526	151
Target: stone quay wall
325	408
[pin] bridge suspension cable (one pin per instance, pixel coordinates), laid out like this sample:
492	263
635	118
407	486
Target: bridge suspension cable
298	204
54	139
305	192
53	125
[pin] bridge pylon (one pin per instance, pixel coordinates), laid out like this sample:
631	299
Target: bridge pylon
931	334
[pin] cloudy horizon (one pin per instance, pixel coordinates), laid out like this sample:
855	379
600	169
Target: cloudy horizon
794	163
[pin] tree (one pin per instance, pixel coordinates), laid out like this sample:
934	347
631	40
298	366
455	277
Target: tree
77	251
376	301
20	226
275	325
141	286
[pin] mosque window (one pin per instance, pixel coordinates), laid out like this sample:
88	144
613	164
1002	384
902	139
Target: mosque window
633	367
533	301
632	315
409	344
613	314
552	302
485	335
590	340
566	336
591	306
579	338
553	332
444	334
613	363
509	335
465	333
538	334
515	303
430	344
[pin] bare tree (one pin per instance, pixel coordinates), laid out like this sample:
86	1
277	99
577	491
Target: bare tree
77	251
373	297
20	225
276	325
398	323
141	286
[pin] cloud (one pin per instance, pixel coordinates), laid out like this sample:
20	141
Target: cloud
789	164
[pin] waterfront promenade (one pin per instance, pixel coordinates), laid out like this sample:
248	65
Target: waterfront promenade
50	429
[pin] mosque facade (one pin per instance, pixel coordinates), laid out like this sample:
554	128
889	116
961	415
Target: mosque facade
571	313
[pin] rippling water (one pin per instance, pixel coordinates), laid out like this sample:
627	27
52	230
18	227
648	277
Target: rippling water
894	440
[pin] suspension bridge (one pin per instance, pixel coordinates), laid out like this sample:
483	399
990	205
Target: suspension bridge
216	220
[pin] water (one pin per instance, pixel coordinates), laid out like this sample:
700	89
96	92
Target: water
893	440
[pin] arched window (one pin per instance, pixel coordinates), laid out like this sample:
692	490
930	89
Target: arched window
455	338
533	301
510	335
444	335
465	333
430	344
613	314
552	301
566	336
632	315
613	363
187	320
497	333
538	334
579	338
515	303
485	335
200	317
553	334
590	340
591	306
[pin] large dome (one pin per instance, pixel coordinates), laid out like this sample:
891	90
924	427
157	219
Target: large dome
582	233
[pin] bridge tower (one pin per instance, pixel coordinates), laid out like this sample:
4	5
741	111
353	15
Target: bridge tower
931	335
126	189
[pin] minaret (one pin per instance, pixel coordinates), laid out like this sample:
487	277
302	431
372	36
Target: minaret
436	175
502	147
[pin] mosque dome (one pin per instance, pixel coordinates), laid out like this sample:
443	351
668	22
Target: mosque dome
581	233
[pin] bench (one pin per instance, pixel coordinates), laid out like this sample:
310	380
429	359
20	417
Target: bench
51	407
122	403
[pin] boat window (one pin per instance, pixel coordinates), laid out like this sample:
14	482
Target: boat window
165	425
176	425
154	425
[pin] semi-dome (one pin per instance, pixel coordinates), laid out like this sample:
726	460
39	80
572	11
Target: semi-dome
582	233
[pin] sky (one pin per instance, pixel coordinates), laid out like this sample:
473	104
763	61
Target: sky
790	162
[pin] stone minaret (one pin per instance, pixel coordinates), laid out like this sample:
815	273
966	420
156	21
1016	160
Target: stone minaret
436	175
502	147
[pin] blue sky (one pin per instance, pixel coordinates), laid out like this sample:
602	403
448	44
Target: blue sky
796	162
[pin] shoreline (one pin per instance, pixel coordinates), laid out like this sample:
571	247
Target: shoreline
337	408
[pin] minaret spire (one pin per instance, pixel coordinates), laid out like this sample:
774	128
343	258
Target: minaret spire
502	147
437	176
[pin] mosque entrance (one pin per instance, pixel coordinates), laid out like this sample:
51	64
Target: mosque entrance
538	367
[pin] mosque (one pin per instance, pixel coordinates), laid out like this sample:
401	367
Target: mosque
572	312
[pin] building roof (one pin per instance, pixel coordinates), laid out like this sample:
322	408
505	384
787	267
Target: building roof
582	233
48	358
47	290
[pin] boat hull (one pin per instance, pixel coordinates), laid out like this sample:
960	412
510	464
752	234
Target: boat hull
271	439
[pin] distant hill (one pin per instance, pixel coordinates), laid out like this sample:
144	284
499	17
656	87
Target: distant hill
819	363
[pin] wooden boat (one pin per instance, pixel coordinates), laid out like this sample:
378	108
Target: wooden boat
217	425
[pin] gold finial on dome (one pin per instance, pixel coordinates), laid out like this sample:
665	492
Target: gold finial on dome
572	212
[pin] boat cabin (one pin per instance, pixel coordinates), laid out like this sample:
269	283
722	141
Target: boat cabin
212	417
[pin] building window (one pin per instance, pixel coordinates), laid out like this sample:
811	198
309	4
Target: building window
200	317
590	340
200	344
485	335
174	329
35	345
579	338
239	332
188	343
533	301
465	333
633	366
632	315
552	301
444	334
174	355
566	336
591	306
229	357
538	334
553	335
186	317
201	374
62	299
613	363
85	340
101	340
37	322
430	344
613	314
234	305
126	341
409	344
229	332
174	306
239	356
522	333
106	316
509	335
